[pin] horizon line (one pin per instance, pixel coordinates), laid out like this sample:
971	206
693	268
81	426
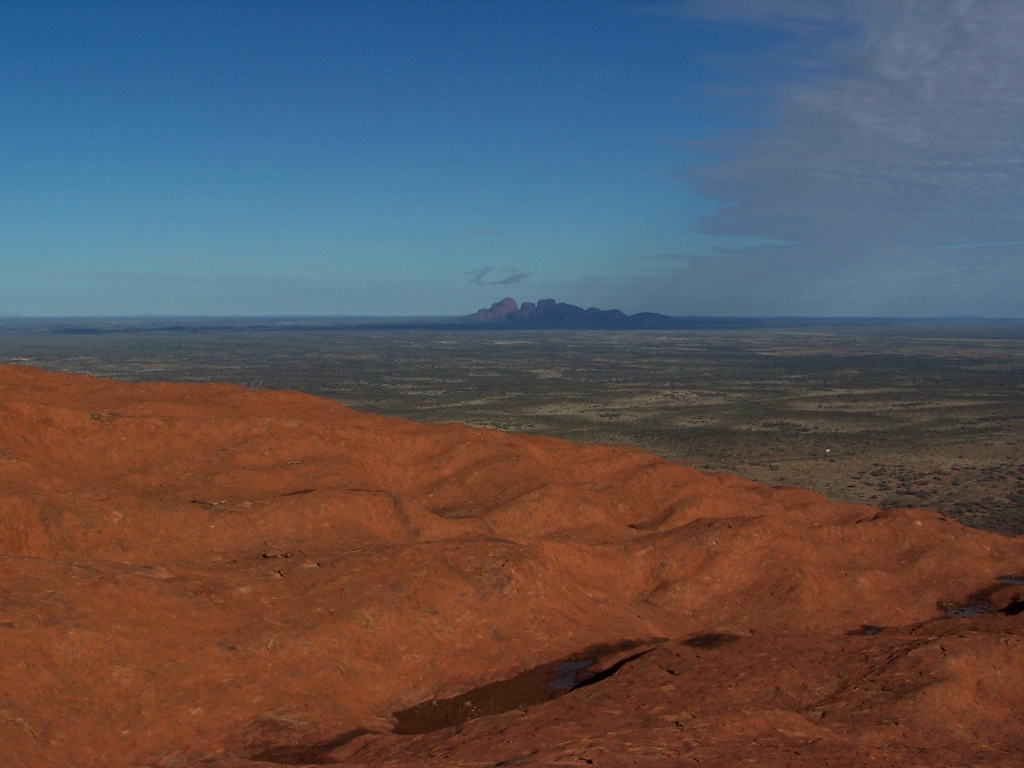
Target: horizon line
450	318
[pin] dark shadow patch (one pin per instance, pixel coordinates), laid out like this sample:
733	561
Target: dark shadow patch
866	629
302	492
308	754
534	686
710	640
984	600
984	596
1015	608
597	677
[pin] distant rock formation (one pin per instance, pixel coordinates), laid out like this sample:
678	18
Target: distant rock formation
548	312
500	310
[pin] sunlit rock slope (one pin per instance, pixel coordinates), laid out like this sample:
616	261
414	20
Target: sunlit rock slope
204	575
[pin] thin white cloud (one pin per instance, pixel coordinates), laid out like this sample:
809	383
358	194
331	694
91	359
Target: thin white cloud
913	143
919	135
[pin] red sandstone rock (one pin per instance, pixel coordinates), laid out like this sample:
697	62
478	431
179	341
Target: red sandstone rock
202	575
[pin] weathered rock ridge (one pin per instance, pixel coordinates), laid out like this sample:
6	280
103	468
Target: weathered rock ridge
204	575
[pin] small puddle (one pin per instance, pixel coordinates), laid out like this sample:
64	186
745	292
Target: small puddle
953	610
534	686
981	602
567	674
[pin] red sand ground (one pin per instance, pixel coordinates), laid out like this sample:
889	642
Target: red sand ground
199	574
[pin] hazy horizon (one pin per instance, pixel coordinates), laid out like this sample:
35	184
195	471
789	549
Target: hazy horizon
454	317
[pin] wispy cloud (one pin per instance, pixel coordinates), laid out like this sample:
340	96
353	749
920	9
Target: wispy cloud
918	136
912	140
491	276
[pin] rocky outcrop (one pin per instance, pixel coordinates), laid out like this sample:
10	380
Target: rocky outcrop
548	312
500	310
204	575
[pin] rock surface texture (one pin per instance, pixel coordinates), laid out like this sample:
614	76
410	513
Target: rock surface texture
200	575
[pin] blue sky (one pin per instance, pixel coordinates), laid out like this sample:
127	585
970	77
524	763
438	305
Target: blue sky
777	157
